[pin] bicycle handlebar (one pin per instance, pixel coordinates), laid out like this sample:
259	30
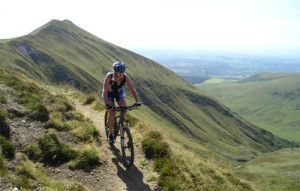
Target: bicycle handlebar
131	107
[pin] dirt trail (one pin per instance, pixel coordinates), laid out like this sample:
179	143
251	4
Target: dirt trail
113	175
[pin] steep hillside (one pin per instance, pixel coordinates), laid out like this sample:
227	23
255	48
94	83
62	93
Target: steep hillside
47	143
269	100
40	131
51	138
61	52
279	170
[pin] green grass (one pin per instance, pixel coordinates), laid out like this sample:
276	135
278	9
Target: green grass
84	130
181	171
27	175
59	103
279	170
5	130
41	105
89	100
54	152
57	123
154	147
40	113
98	106
75	123
28	92
2	98
8	149
173	100
270	101
86	160
189	117
65	118
77	187
28	172
33	152
51	151
214	81
131	119
3	167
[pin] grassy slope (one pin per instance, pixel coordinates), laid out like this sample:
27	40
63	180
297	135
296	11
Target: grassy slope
64	53
279	170
212	174
213	171
25	172
270	101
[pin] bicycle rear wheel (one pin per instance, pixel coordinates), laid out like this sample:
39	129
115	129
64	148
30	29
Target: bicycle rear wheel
127	147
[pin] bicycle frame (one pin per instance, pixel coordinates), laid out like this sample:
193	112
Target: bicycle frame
123	130
120	116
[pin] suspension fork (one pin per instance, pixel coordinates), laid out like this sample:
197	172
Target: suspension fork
119	124
122	113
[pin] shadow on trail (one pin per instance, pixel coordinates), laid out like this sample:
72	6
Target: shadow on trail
132	177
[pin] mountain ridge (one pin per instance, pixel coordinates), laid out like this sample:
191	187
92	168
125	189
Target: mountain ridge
60	52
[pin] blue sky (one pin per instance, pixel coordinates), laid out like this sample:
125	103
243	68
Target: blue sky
250	26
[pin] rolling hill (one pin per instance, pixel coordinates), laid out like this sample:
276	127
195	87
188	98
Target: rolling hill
62	53
279	170
268	100
198	66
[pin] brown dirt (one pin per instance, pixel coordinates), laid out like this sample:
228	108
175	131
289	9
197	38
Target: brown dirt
112	175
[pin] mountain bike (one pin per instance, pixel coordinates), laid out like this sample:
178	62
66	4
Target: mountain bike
122	129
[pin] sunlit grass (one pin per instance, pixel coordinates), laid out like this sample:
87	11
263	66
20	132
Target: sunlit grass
214	81
2	98
3	166
28	170
279	170
271	104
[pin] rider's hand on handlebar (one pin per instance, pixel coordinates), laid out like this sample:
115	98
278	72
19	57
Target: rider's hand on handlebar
138	103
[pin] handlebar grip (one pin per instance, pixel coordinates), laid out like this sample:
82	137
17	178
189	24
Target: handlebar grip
137	104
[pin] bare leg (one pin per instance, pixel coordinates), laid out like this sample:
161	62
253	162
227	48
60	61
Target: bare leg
111	118
122	102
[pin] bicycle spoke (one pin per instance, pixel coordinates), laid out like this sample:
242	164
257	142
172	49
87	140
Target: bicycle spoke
127	148
123	131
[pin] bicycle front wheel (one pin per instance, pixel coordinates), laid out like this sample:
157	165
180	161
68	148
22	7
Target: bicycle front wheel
106	124
127	147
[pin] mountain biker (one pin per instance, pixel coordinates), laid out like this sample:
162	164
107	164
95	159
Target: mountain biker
113	89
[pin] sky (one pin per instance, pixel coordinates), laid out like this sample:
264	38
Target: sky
249	26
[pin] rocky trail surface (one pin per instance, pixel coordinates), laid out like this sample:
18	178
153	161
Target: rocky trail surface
109	175
112	175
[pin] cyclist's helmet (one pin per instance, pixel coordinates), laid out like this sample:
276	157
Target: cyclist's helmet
119	67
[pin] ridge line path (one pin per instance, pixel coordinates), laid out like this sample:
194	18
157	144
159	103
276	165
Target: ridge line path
114	175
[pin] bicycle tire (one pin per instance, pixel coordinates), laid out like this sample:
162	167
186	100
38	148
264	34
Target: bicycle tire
106	125
127	147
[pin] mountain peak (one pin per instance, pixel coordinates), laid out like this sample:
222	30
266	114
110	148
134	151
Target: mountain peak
55	25
58	22
64	30
67	21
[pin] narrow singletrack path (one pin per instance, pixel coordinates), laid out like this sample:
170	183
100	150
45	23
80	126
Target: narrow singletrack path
114	176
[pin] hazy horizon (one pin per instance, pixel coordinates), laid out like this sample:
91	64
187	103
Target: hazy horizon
158	52
258	27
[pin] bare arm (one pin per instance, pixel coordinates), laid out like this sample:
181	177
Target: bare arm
131	88
105	88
